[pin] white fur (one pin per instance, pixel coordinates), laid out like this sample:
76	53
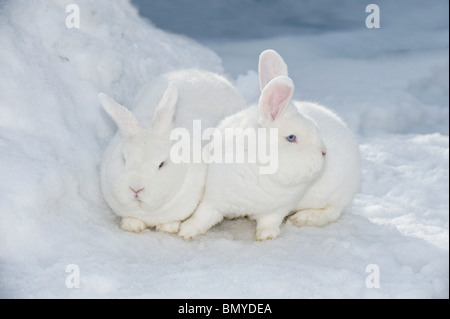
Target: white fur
133	185
234	190
315	200
336	187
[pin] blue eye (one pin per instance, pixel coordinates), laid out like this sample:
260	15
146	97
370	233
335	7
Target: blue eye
291	138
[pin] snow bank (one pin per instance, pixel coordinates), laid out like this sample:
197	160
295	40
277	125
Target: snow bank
52	129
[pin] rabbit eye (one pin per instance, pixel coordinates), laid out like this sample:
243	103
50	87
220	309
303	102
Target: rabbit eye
161	165
291	138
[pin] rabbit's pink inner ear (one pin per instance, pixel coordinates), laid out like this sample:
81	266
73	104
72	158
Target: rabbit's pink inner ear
276	97
279	101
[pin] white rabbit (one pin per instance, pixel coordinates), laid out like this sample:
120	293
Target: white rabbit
315	204
139	180
336	187
234	189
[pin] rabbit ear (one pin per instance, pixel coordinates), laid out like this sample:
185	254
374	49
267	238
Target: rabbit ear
271	65
275	97
165	112
125	120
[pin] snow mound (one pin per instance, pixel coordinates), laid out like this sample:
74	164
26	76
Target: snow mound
52	129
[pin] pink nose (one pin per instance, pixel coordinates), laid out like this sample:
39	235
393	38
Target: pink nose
136	192
324	154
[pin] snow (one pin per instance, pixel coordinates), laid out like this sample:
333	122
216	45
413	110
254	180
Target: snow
389	84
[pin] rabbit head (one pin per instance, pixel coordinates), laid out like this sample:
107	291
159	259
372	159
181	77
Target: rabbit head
137	173
301	150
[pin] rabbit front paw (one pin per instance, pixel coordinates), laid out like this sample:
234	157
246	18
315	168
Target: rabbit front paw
190	230
316	217
171	227
265	233
133	225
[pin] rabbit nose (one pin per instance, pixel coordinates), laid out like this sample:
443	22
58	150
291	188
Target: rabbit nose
324	153
136	192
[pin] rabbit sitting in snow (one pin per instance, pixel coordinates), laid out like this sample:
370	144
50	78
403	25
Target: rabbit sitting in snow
139	181
337	185
318	172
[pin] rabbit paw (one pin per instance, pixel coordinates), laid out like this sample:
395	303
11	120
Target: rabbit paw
132	224
189	230
265	233
315	217
171	228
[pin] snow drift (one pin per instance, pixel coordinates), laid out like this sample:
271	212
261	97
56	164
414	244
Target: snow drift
53	130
